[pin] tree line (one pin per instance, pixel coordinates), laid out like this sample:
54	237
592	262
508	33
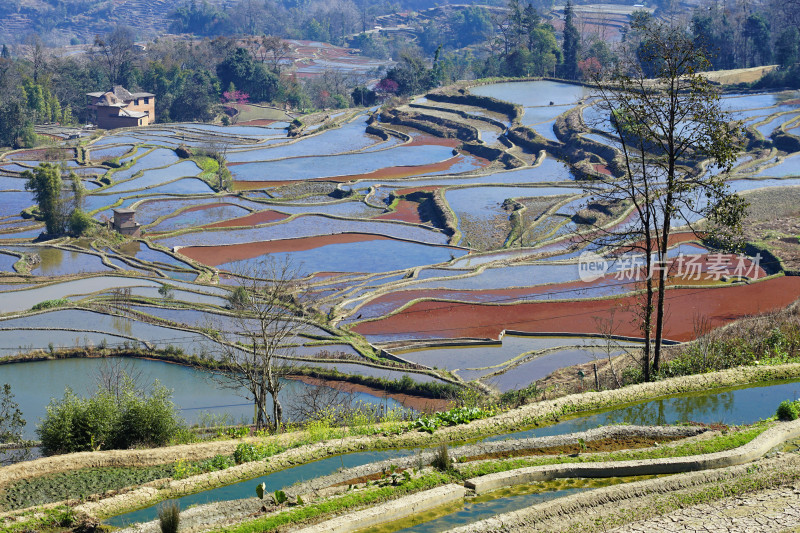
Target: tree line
190	79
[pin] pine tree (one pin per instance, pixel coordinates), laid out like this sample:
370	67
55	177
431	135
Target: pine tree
569	68
66	115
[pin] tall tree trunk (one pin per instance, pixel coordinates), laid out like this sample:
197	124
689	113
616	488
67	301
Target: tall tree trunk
647	321
277	410
663	244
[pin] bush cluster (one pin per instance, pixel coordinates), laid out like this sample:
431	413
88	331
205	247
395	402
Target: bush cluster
788	410
453	417
247	453
109	420
49	304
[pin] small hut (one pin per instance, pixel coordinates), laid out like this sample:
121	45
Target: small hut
125	222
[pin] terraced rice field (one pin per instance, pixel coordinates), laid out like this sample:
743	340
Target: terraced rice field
399	236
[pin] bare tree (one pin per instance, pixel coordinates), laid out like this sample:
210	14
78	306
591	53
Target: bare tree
116	50
273	51
668	118
36	53
267	316
608	327
115	375
320	400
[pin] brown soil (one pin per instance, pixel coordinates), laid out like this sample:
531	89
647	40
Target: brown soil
412	190
424	139
598	167
418	207
435	319
253	219
258	185
569	290
405	210
408	171
256	122
418	403
602	445
217	255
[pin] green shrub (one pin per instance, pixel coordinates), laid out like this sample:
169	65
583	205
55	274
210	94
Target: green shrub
49	304
246	453
80	223
453	417
149	420
441	459
169	516
788	410
167	291
109	420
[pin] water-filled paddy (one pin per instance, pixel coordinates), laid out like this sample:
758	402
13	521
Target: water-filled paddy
148	211
14	202
59	262
480	356
788	167
744	405
7	262
766	129
347	138
306	226
314	167
25	299
534	93
95	202
143	252
486	203
369	256
160	157
194	391
274	481
522	375
152	177
740	406
483	507
78	320
8	183
208	214
537	115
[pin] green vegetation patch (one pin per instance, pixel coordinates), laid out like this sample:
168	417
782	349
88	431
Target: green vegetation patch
728	441
346	502
77	484
48	520
788	410
50	304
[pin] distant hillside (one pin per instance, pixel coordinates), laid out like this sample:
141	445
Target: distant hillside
61	22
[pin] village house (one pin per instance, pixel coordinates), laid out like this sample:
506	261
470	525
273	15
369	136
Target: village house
125	222
119	108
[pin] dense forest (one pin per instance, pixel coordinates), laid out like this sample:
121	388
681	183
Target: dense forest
238	54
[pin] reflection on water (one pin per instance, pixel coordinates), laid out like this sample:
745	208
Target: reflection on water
732	407
52	259
274	481
494	503
194	391
122	325
737	406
